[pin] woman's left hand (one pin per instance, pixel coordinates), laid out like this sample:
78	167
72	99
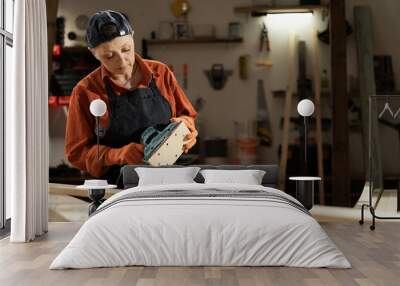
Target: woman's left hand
191	137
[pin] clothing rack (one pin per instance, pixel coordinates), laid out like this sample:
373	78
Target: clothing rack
371	174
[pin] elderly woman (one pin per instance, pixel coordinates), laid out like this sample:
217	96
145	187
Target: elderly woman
138	93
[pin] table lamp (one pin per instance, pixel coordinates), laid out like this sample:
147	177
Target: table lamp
305	108
98	108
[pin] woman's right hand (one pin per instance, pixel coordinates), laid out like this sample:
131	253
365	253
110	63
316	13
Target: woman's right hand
131	153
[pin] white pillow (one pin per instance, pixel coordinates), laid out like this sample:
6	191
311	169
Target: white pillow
249	177
162	176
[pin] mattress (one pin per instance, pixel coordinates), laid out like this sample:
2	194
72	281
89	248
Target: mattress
201	225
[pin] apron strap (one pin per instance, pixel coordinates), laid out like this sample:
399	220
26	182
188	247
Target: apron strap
153	85
109	89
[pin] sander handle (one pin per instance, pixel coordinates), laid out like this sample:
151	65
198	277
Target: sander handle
148	134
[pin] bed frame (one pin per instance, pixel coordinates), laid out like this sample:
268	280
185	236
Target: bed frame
270	179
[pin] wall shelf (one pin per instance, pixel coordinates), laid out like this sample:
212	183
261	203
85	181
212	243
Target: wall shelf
278	9
55	100
282	93
194	41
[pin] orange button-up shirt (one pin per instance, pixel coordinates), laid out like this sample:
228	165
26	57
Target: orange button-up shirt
80	139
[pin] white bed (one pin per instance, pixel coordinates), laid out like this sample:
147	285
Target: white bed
185	230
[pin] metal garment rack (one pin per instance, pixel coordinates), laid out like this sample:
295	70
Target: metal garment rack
370	159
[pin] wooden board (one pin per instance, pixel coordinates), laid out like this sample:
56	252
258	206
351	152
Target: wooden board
363	33
318	116
340	131
278	9
264	131
71	190
287	112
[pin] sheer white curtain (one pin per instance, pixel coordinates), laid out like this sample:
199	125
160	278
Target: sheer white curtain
27	123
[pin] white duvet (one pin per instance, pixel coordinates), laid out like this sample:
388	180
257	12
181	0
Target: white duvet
200	231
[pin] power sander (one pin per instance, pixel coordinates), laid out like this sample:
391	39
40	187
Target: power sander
164	147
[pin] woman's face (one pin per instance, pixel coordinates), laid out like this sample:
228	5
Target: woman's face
117	55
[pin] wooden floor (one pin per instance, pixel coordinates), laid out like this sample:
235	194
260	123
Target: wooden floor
374	255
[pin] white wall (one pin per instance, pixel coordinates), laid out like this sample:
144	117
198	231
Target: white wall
237	101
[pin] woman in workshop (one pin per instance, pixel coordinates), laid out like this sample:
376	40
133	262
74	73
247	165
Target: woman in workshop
138	93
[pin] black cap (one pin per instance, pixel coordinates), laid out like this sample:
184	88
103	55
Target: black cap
105	26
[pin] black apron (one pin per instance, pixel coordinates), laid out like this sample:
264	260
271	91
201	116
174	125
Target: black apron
129	115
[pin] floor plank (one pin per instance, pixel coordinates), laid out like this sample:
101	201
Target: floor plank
375	257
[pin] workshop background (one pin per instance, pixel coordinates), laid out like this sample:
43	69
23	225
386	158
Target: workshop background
227	118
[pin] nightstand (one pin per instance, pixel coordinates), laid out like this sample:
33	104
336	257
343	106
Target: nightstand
96	194
305	190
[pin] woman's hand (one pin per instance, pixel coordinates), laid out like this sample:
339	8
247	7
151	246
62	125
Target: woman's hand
191	137
131	153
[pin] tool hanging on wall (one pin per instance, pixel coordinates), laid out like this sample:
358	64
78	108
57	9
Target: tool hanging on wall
264	39
180	8
264	133
324	36
145	49
287	112
244	67
384	75
264	64
218	76
72	36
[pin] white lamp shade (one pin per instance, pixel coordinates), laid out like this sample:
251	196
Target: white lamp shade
98	107
305	107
